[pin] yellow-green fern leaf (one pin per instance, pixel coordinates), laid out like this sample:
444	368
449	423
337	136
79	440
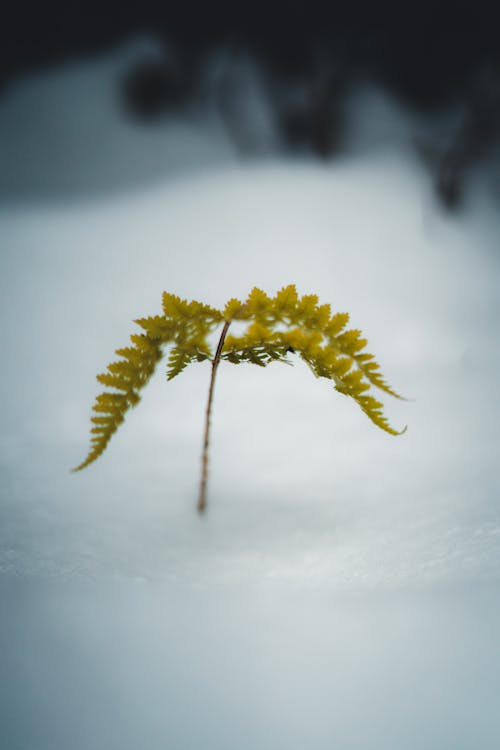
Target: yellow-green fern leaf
128	376
259	306
235	310
183	354
275	327
285	303
158	328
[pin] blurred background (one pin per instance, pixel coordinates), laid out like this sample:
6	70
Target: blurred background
343	588
269	77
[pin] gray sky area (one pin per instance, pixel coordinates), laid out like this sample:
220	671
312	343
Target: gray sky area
343	589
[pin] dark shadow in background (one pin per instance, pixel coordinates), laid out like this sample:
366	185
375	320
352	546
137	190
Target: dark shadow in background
311	56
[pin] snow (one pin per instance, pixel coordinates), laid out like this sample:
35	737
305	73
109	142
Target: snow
342	590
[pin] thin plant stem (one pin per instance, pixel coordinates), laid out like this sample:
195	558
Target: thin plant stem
202	497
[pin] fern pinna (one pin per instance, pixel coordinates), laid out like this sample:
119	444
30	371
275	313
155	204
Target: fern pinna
275	327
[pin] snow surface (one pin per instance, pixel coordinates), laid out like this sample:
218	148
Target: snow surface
343	589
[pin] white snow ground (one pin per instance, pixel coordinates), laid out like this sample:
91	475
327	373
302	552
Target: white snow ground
343	589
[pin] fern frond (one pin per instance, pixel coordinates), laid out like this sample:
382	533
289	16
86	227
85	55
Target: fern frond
129	376
177	309
374	411
285	302
276	326
114	381
178	360
185	326
183	354
336	323
235	310
318	337
158	328
350	342
259	306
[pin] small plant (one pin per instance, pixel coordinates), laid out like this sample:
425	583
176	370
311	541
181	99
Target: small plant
274	327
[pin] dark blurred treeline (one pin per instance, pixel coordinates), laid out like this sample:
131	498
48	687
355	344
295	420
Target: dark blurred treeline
424	50
429	55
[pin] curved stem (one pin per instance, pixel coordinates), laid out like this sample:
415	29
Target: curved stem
202	502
